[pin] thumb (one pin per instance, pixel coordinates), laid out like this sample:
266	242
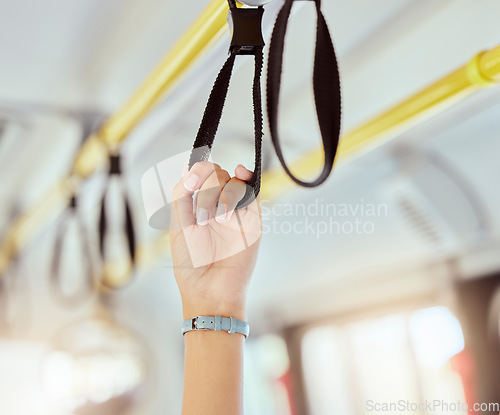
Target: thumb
242	173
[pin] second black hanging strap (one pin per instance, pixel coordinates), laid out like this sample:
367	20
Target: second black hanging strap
115	170
326	84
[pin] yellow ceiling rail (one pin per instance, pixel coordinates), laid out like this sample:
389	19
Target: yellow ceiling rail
482	71
205	30
202	34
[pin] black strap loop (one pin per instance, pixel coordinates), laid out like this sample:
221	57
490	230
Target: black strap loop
55	275
215	105
326	85
247	39
115	170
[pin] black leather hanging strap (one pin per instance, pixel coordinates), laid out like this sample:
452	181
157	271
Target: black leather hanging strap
71	214
326	84
246	40
115	170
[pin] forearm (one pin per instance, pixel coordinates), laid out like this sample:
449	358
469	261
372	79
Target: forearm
213	370
213	373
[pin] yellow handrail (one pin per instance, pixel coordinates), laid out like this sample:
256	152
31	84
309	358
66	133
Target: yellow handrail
482	71
204	31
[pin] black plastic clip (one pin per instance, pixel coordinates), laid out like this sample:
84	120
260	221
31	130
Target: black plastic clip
72	203
246	29
115	165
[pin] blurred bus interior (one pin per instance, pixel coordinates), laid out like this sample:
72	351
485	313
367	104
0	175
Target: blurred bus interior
406	308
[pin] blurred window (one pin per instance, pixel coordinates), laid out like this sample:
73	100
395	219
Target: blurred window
389	359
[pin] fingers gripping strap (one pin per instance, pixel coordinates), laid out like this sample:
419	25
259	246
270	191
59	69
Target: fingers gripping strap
326	84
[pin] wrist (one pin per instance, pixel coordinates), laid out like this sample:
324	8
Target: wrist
234	309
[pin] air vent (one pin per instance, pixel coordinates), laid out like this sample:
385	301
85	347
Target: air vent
419	219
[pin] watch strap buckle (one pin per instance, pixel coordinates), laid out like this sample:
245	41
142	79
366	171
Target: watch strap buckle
232	327
194	323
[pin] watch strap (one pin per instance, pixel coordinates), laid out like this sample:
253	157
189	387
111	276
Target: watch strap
216	323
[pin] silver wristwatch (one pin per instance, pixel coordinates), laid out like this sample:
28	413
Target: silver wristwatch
216	323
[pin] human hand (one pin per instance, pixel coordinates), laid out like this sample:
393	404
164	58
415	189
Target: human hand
214	247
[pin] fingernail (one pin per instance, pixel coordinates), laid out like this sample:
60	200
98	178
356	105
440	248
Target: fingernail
221	213
195	201
202	216
191	182
227	217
